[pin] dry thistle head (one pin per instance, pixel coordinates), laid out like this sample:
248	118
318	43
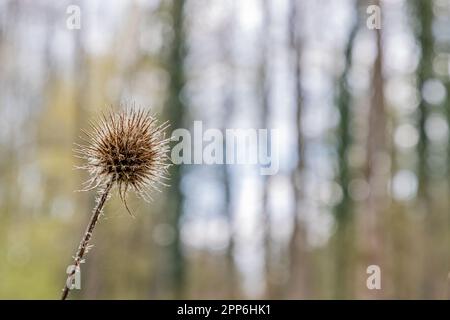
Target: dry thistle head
127	148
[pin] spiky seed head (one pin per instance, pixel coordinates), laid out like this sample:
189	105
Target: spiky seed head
127	148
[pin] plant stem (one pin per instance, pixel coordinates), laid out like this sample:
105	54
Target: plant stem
82	248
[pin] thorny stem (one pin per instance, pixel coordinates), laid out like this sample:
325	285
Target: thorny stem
82	248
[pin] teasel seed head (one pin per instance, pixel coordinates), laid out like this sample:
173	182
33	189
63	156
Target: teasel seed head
128	149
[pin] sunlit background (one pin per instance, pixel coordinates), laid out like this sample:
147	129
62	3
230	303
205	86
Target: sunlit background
363	116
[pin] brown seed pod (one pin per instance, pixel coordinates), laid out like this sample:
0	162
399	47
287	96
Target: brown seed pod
126	148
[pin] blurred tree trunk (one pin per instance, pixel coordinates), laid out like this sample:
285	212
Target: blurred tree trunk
344	236
424	12
175	110
299	274
232	284
272	285
447	113
375	163
263	92
424	34
227	37
447	234
8	157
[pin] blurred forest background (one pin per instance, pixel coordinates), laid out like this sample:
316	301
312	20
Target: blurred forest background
364	151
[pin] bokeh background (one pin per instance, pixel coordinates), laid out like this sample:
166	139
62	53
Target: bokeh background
364	151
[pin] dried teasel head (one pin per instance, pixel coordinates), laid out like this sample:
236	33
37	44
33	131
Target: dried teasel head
127	148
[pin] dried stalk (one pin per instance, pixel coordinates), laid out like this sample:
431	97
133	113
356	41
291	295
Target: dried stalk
82	248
